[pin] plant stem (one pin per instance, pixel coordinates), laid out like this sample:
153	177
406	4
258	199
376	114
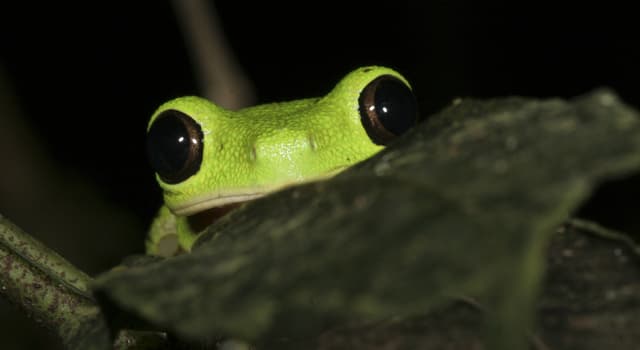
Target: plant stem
47	287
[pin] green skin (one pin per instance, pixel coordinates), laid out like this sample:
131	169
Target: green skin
255	151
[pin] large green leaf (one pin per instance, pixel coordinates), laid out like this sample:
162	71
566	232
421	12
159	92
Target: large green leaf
462	206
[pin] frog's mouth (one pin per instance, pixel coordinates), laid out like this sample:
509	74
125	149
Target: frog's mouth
204	211
208	209
213	201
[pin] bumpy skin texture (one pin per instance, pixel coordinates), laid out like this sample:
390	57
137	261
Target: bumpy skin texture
257	150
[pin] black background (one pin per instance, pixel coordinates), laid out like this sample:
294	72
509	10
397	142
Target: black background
88	75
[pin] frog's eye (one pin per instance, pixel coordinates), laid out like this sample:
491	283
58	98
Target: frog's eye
174	146
387	109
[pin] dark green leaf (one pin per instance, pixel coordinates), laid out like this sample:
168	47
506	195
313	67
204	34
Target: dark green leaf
462	206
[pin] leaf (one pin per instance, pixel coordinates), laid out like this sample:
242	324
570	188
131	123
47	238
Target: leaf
462	206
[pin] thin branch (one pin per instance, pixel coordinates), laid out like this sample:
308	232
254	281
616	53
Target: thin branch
221	78
603	232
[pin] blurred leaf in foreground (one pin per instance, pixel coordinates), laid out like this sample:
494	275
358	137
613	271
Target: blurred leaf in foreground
464	205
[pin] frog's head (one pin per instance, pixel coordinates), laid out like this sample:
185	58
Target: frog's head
207	157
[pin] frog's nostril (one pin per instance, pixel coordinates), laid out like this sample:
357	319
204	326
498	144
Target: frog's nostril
312	142
253	154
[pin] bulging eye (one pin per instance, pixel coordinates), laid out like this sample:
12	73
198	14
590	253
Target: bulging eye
387	109
174	146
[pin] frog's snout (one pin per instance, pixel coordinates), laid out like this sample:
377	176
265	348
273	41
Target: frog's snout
286	148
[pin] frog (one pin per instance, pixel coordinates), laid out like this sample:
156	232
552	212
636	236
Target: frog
208	160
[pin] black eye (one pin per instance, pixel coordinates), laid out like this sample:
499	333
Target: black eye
174	146
387	109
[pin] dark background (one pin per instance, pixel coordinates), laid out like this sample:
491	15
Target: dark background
86	77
